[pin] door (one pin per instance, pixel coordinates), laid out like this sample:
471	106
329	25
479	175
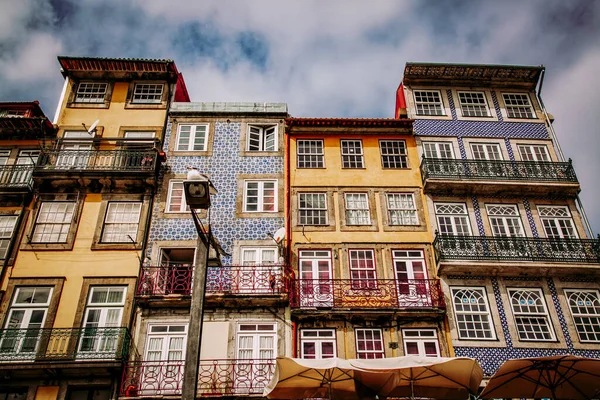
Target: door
489	155
75	150
258	273
437	153
164	359
174	276
316	284
256	351
538	161
411	278
22	174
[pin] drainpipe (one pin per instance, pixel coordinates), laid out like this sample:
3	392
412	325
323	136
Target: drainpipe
559	151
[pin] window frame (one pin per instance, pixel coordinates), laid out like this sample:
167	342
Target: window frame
401	210
420	341
436	145
556	220
589	316
428	103
158	98
68	225
453	216
532	148
318	340
510	108
485	105
192	138
133	240
319	157
522	314
485	151
5	237
487	313
362	277
183	207
367	352
504	219
260	204
403	155
362	211
305	209
352	160
263	138
99	100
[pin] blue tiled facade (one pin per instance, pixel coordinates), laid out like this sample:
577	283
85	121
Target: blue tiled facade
223	167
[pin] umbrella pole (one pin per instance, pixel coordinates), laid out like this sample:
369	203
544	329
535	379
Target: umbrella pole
412	385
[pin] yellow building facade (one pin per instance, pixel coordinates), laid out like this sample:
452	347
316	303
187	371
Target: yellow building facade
69	294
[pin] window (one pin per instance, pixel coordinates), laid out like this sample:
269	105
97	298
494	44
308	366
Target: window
505	220
429	102
121	222
147	93
452	219
393	153
317	343
257	342
310	154
166	343
486	151
176	198
312	209
421	342
352	154
533	152
357	209
557	222
438	150
362	269
91	92
316	287
191	138
102	317
7	227
148	135
531	316
411	275
585	309
473	104
14	113
518	105
369	343
262	138
53	222
472	313
402	209
260	196
259	255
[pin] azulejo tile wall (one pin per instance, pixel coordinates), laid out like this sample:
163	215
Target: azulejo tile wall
223	167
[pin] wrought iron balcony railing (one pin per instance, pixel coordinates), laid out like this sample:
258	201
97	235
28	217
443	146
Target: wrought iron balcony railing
517	249
230	279
498	170
97	160
16	177
223	377
64	344
367	294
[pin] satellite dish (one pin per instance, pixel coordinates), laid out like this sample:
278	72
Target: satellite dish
92	129
279	235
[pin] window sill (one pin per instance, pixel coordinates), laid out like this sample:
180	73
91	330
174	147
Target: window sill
105	104
47	246
116	246
248	153
130	105
252	214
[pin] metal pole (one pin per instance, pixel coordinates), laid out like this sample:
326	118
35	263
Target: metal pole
192	355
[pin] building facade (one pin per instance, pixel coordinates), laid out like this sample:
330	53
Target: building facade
240	147
69	294
514	253
364	283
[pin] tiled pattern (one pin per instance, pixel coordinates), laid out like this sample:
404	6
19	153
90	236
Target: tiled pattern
497	106
223	167
527	207
461	146
475	277
501	311
478	216
451	104
486	129
509	149
559	313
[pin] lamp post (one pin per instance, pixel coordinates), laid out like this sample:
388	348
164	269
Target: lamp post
197	195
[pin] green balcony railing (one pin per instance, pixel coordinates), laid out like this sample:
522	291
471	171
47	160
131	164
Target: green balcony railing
97	160
16	177
64	344
449	247
498	170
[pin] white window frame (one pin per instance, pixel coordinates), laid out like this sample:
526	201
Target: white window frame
534	155
404	215
260	252
358	212
265	134
429	103
89	340
520	316
52	208
482	318
318	337
168	333
260	202
191	140
314	157
180	204
361	275
260	329
454	218
7	230
393	153
130	236
473	109
352	153
560	223
501	224
489	151
515	110
435	150
150	135
308	214
370	354
92	93
146	93
420	337
585	311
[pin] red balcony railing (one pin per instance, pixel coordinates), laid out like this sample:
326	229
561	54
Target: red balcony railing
165	280
367	294
223	377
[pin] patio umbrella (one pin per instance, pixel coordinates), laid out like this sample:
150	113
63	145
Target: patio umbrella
555	377
415	376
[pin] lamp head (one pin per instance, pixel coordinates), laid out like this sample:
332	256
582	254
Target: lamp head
197	193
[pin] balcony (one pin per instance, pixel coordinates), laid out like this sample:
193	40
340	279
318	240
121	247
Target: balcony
570	252
498	177
372	294
16	178
216	378
42	346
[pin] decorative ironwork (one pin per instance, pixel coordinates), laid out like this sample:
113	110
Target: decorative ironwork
243	279
16	177
517	249
367	294
165	280
97	160
223	377
64	344
498	170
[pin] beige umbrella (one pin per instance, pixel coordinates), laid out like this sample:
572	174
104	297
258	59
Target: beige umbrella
555	377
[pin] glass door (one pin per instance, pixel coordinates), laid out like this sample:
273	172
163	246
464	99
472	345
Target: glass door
316	283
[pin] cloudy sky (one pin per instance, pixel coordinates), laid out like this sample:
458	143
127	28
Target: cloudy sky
324	58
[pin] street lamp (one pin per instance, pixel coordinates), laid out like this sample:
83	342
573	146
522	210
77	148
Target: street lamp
197	189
